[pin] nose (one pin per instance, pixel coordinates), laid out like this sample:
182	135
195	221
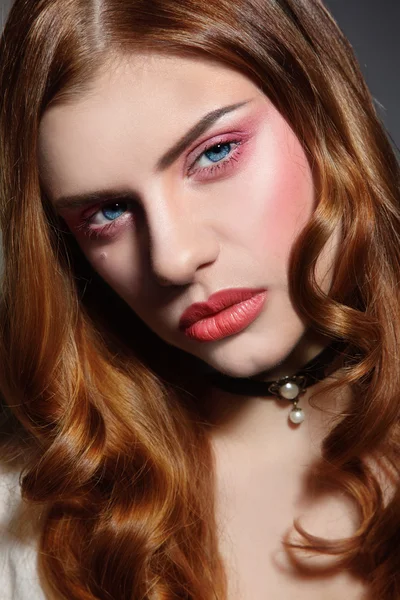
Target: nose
180	244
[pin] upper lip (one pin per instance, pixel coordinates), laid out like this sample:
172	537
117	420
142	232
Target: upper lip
216	303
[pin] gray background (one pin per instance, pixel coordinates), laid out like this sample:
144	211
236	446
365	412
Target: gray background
373	28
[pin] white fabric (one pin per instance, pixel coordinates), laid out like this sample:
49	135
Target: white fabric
18	543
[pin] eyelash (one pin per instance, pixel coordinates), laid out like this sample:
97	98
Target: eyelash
107	230
222	164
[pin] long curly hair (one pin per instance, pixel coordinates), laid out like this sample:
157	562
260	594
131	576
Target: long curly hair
116	445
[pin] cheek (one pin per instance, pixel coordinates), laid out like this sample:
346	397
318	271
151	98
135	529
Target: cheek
291	207
118	265
273	200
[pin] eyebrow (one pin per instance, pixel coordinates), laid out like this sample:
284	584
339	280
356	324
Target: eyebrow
166	160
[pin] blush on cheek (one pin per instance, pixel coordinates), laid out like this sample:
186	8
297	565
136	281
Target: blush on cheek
286	220
290	202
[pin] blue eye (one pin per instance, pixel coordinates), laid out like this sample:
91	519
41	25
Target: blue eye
113	211
218	152
107	217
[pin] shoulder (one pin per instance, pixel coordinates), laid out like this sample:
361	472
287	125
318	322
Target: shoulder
19	535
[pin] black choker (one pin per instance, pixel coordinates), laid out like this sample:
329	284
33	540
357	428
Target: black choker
286	388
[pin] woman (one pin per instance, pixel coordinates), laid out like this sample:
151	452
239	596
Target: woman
198	201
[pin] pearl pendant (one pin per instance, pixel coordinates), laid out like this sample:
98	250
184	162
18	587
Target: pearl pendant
296	415
289	390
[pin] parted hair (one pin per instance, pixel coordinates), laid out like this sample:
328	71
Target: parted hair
108	419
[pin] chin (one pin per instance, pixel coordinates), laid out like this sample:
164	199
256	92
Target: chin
247	360
240	368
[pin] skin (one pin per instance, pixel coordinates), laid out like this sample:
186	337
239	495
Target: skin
188	231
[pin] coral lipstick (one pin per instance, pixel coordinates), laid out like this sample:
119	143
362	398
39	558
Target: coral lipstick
225	313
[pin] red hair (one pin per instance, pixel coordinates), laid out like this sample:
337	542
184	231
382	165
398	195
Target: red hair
117	447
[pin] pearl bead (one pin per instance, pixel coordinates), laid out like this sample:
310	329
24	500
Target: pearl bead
289	390
296	415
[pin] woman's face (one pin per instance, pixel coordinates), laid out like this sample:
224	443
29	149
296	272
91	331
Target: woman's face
179	179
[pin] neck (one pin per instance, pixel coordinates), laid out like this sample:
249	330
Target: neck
237	396
309	346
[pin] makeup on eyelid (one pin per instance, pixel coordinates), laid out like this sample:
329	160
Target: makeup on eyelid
108	230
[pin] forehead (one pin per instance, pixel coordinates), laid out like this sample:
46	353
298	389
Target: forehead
148	98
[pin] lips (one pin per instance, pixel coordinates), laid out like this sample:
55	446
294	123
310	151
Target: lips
216	303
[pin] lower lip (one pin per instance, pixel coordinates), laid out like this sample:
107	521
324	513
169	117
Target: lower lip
227	322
